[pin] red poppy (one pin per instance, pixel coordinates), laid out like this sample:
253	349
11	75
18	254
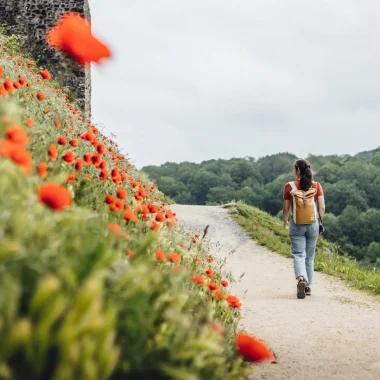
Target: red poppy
209	273
160	256
212	286
29	123
103	175
61	140
74	143
175	257
73	36
219	295
224	283
198	280
71	178
16	85
129	253
154	226
54	196
45	74
8	85
129	215
233	302
17	154
3	91
78	165
87	158
42	170
17	135
53	152
41	96
159	217
252	349
109	199
121	193
68	157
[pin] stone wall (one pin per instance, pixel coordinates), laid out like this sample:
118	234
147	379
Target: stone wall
32	19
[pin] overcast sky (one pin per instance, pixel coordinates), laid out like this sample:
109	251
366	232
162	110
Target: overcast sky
192	80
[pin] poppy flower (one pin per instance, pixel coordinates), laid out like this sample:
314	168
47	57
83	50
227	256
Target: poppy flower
45	74
3	91
129	254
17	135
100	149
21	80
198	280
224	283
61	140
212	286
233	302
17	154
109	199
159	217
177	269
57	123
68	157
42	169
53	152
175	257
16	85
29	123
252	349
154	226
8	85
54	196
71	178
103	175
219	295
160	256
47	110
1	71
41	96
152	208
209	273
129	215
72	34
74	143
87	158
121	193
78	165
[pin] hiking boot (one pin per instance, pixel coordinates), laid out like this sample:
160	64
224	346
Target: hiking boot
301	286
308	291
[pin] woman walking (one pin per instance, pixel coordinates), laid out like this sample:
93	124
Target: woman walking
305	199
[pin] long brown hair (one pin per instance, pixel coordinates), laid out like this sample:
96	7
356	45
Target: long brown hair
306	175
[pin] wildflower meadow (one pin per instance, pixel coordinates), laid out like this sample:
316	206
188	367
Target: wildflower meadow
97	281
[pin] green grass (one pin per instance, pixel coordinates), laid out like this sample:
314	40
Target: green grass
270	233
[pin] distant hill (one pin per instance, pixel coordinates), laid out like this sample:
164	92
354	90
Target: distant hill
351	185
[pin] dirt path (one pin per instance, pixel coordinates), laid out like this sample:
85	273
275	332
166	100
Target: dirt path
334	334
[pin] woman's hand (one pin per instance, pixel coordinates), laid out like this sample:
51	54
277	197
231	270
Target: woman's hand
286	224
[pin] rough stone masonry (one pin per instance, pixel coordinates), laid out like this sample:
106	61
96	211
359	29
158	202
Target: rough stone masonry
31	19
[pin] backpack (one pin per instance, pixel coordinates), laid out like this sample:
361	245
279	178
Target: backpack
304	206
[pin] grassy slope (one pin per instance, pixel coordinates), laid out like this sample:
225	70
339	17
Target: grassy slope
269	232
72	303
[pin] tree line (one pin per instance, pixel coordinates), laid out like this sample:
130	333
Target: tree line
351	185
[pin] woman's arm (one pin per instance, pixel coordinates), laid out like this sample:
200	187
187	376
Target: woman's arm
321	206
285	212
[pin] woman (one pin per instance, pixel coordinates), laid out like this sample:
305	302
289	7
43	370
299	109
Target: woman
303	236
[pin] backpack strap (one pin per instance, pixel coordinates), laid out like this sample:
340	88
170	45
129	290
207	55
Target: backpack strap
293	186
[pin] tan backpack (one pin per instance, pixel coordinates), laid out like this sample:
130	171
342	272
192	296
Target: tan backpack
304	206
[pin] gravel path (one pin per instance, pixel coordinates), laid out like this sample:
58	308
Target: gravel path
334	334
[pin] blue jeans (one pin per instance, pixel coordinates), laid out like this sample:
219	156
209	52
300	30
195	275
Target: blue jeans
304	240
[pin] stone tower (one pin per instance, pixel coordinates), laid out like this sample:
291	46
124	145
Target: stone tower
31	19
